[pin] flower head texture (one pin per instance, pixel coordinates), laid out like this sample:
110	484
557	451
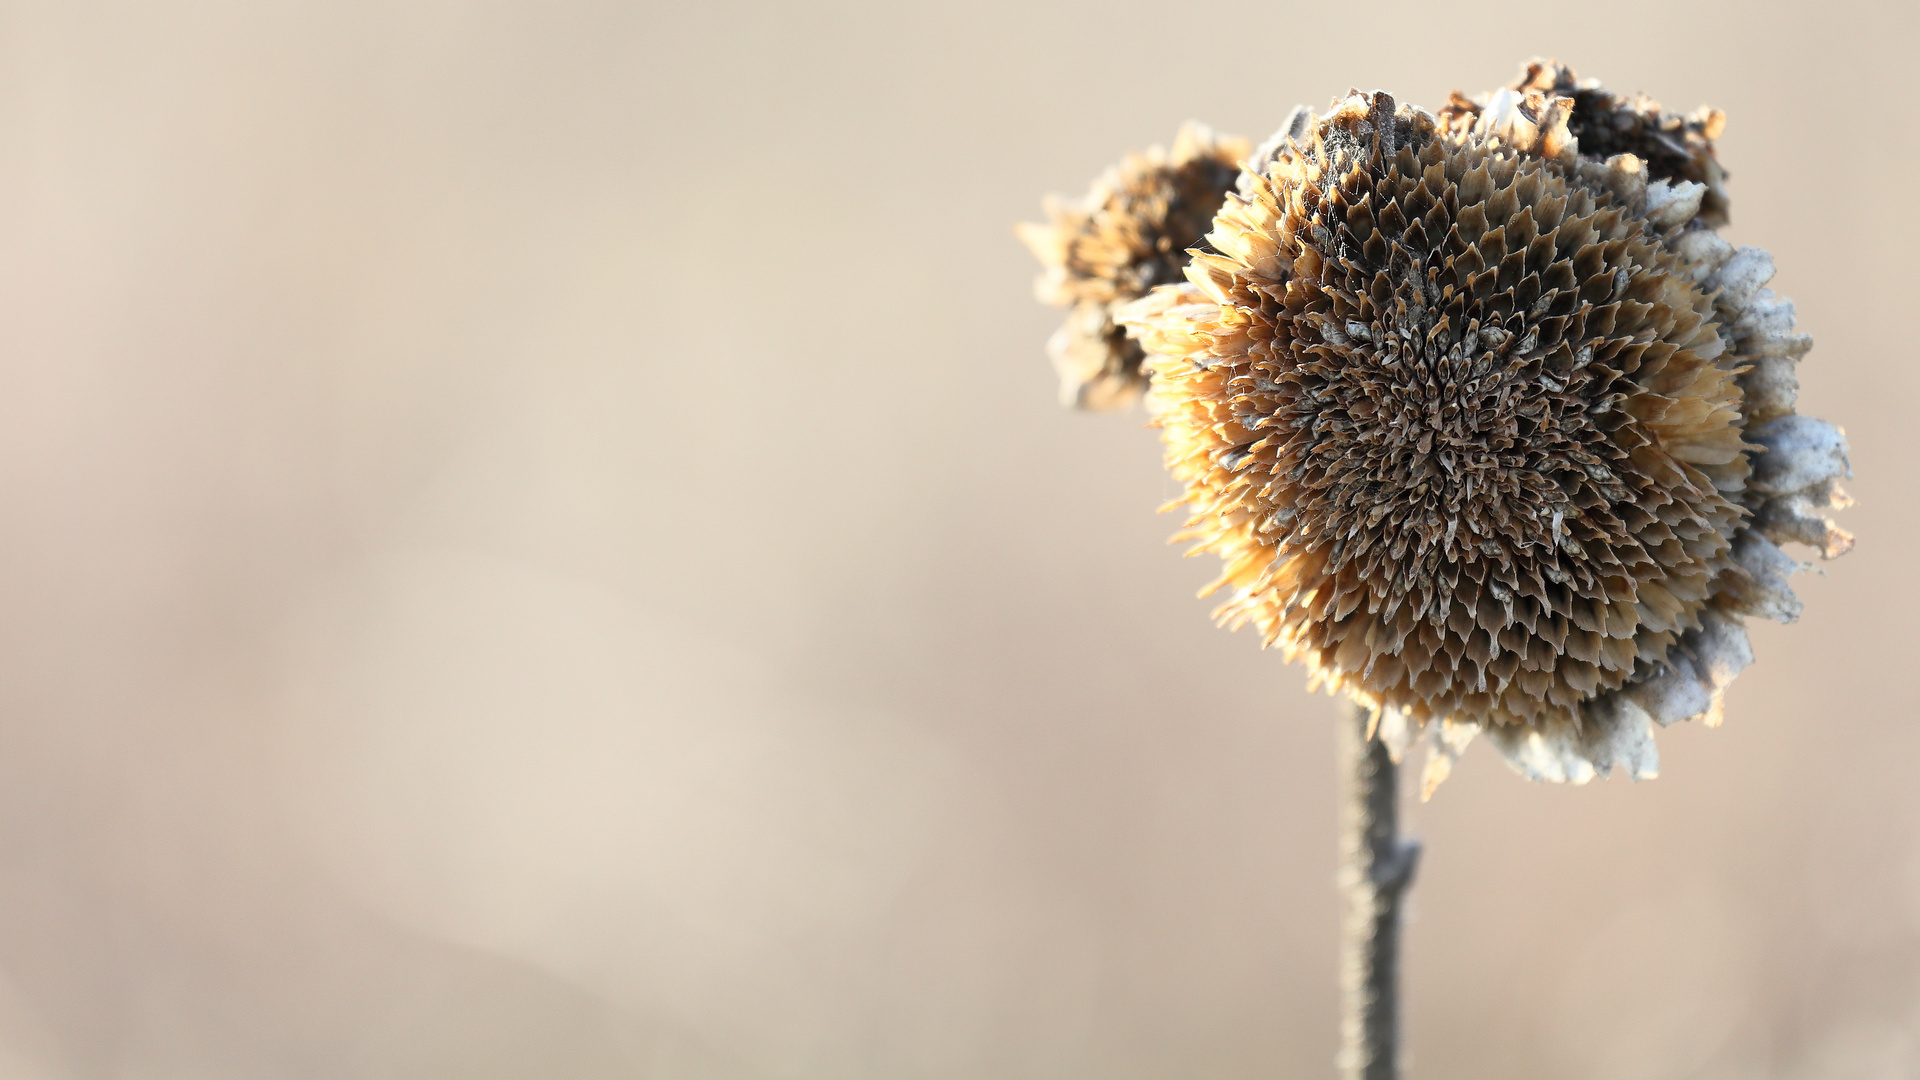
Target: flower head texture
1488	426
1130	233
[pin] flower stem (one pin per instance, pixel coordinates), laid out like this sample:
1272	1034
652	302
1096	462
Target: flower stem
1376	867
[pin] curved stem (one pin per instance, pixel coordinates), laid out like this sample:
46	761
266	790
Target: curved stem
1376	867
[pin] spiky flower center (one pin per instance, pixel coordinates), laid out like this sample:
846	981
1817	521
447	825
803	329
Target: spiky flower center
1436	433
1430	432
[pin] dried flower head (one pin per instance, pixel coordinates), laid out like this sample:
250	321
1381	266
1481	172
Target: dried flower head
1490	433
1130	233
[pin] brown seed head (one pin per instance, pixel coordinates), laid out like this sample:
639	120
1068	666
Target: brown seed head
1461	410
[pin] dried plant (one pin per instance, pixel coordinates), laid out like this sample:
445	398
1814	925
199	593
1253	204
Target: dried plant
1130	233
1489	426
1492	435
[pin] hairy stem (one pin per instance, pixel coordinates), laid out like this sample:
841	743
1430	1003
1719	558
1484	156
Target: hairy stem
1376	866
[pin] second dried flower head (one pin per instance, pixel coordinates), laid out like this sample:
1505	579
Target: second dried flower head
1489	426
1127	235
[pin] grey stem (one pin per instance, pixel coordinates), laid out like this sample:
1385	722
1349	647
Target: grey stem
1376	866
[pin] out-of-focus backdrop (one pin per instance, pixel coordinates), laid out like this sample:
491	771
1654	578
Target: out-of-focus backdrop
539	543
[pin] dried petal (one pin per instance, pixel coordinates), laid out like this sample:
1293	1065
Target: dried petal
1446	741
1801	452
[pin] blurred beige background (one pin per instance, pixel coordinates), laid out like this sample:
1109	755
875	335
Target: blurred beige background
539	544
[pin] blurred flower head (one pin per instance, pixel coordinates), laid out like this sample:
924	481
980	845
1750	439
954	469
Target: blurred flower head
1129	233
1490	430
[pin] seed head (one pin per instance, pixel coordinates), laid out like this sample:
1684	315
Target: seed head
1130	233
1490	433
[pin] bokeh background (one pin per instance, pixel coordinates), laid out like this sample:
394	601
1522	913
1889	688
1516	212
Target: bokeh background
539	543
